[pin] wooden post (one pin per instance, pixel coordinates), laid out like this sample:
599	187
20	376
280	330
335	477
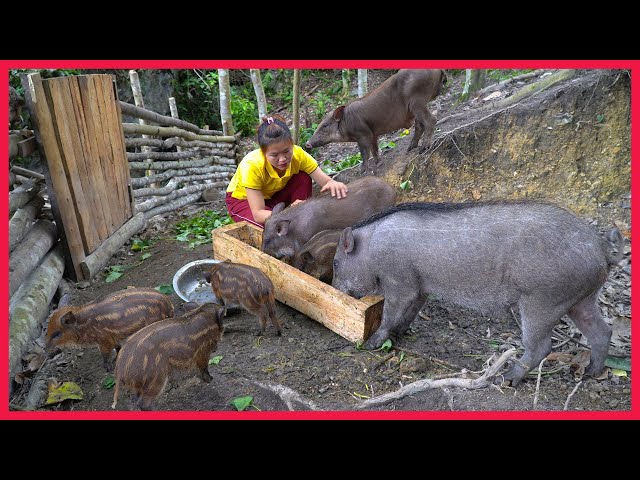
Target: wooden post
137	98
225	102
296	106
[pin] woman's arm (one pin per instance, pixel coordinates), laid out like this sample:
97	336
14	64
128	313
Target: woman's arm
256	203
338	189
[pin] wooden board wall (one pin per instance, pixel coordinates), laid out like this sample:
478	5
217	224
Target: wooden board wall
79	123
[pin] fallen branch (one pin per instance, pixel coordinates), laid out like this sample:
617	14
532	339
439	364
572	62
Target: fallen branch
174	142
161	200
535	396
180	202
575	389
172	186
21	195
287	395
27	173
499	85
22	221
167	174
426	384
138	112
182	164
135	128
175	155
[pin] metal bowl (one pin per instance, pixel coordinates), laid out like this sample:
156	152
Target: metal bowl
190	285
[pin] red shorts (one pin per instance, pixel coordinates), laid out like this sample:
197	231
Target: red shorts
297	188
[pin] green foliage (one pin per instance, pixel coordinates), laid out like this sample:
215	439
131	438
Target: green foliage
500	74
200	227
305	135
386	346
198	96
109	382
321	103
406	185
216	360
14	75
244	113
330	168
145	256
114	272
138	245
387	145
165	288
241	403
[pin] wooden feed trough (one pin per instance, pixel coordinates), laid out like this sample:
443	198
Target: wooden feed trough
352	319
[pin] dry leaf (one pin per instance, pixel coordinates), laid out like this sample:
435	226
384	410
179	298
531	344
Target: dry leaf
563	357
580	362
475	193
64	391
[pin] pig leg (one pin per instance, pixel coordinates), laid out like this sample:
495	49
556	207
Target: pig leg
586	316
365	148
203	370
537	323
271	312
428	133
106	358
396	313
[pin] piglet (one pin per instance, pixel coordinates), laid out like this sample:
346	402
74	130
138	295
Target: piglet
151	355
107	322
247	286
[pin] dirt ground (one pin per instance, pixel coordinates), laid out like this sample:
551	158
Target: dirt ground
330	373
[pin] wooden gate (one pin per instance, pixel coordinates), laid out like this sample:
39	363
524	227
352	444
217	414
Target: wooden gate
77	121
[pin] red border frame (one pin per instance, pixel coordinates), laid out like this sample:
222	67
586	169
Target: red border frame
6	65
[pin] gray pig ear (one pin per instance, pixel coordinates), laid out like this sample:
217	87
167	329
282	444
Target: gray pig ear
338	113
278	208
282	227
347	240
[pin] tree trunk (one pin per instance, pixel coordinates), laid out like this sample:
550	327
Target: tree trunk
20	196
93	263
225	102
296	106
22	221
26	256
478	80
30	306
260	97
362	82
346	82
467	83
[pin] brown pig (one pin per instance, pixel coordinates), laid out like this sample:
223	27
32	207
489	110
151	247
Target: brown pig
148	357
399	102
316	256
247	286
107	322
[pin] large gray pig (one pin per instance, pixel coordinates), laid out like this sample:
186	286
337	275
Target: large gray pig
286	230
484	256
399	102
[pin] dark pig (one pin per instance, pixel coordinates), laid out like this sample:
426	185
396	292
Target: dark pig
107	322
286	230
151	355
397	103
316	256
247	286
490	256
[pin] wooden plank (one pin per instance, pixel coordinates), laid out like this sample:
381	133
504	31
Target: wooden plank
95	182
118	201
113	203
100	172
63	200
106	160
119	147
72	157
352	319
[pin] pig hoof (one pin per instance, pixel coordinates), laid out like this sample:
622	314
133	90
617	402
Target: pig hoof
512	376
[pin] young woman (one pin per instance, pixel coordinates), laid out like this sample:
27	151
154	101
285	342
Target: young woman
278	171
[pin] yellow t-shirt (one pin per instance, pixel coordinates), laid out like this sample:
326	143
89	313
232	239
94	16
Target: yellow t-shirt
255	172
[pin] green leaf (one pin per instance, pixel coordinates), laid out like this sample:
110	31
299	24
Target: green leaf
600	118
405	185
109	382
145	256
618	373
65	391
386	346
402	355
618	363
113	276
139	245
241	403
216	360
165	288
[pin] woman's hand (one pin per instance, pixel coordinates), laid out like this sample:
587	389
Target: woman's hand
338	189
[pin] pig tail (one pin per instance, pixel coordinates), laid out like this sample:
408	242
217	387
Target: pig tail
273	129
